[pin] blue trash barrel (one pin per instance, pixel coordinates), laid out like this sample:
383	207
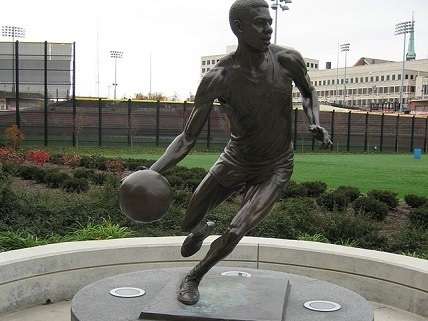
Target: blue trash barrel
417	153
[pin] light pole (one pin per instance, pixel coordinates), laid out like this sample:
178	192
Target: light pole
403	28
275	6
13	32
115	54
345	48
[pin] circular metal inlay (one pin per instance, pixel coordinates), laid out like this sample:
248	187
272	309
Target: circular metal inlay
322	306
237	273
127	292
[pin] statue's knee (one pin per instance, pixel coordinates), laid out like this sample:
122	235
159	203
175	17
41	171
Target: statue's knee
233	236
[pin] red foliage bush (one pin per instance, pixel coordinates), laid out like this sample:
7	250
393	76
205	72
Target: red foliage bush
115	166
72	160
39	157
9	155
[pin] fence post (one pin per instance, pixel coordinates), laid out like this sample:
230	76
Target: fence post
426	136
74	95
382	125
157	121
46	94
296	115
366	134
18	115
348	140
397	132
412	139
129	122
209	129
184	113
100	123
332	128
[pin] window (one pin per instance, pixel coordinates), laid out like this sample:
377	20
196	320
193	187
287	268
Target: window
412	89
371	78
316	66
412	77
356	80
397	89
399	77
382	78
312	65
332	82
342	81
387	78
354	91
203	69
323	82
377	78
364	91
391	90
380	90
385	90
307	64
328	82
407	77
208	69
369	91
393	77
367	79
213	62
360	91
203	62
361	79
349	91
218	60
352	80
331	92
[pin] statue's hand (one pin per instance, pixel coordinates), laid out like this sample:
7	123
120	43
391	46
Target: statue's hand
322	135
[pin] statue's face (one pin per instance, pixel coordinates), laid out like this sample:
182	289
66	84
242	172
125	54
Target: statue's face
256	29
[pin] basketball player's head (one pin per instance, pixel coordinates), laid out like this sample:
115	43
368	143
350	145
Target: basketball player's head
251	22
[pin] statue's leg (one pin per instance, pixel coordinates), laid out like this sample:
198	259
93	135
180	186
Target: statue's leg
209	194
257	203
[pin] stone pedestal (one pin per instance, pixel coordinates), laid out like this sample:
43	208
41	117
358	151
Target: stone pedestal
258	296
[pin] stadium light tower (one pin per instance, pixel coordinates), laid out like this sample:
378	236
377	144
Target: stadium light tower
403	28
277	4
13	32
345	48
115	54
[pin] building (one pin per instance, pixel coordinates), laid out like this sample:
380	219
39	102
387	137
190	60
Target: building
370	84
208	62
31	66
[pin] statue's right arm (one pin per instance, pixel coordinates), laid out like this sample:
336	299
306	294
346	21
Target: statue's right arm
184	142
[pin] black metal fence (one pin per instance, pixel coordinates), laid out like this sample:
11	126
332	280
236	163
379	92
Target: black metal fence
97	122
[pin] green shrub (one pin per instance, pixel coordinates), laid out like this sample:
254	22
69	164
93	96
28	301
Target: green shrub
182	198
387	197
93	162
11	168
419	217
56	179
192	183
333	201
371	207
56	159
352	193
175	181
75	185
313	238
315	189
83	173
28	172
339	226
98	178
409	239
17	240
295	190
105	231
415	201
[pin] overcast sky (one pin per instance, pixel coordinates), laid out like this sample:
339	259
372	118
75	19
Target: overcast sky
178	33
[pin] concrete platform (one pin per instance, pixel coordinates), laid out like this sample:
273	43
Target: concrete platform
61	312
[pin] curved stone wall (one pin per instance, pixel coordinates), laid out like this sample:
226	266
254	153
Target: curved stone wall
56	272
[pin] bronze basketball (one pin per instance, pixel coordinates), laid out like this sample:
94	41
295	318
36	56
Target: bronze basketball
145	196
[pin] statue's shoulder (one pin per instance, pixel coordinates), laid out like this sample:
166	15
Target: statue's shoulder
218	73
288	57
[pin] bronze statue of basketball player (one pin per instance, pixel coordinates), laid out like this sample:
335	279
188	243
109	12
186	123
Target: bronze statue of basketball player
254	87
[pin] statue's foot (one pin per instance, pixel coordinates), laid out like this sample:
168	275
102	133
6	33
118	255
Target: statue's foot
188	292
194	240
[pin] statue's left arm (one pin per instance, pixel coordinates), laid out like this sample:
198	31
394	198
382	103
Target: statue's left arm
294	63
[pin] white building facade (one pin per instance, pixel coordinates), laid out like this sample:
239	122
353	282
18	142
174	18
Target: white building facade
370	84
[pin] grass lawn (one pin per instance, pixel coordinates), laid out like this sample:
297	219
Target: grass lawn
395	172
